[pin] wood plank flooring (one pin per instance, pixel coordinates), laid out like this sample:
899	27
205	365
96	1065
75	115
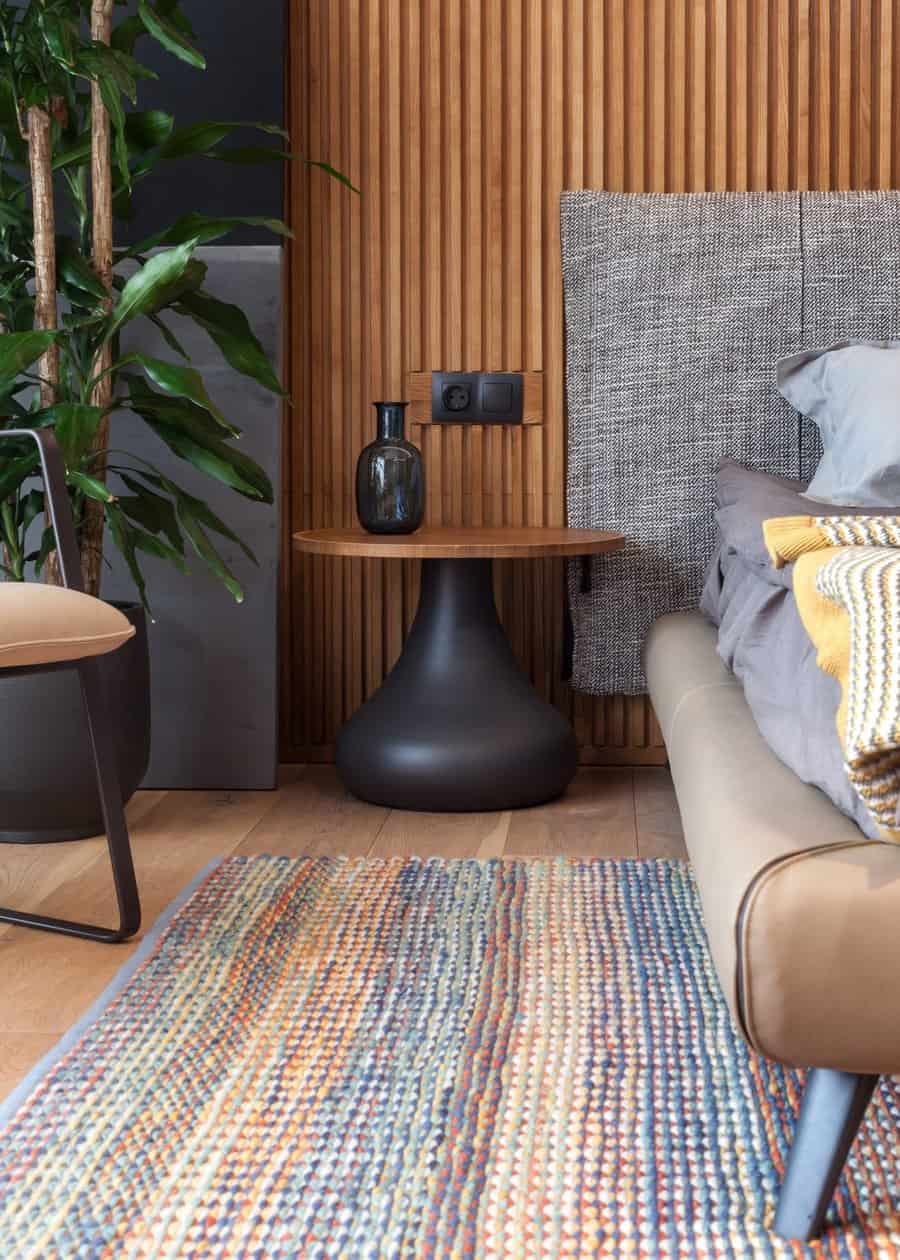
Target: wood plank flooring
46	982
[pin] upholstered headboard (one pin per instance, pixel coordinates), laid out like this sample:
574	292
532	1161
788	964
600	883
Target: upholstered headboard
677	308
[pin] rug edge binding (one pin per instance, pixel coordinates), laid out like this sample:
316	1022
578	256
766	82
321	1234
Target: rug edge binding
10	1105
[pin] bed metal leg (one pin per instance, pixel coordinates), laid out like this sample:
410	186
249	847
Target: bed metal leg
830	1115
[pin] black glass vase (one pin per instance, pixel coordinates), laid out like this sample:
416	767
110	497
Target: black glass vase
390	478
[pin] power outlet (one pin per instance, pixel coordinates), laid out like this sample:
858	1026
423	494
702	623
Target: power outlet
477	397
456	397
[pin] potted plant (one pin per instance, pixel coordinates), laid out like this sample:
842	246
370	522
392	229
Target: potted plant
73	150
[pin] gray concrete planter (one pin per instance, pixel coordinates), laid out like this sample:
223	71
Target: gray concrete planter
48	789
214	675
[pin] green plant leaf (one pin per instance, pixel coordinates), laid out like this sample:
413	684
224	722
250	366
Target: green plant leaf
127	33
75	179
121	533
10	409
215	458
48	544
198	137
144	288
19	387
247	155
9	122
90	486
34	91
191	433
332	171
204	548
203	513
75	426
168	336
157	547
229	328
183	382
11	216
11	539
151	510
75	268
123	205
113	102
256	154
145	129
191	279
18	351
99	62
208	518
172	10
76	154
60	35
81	302
31	506
77	321
204	228
196	507
14	471
167	33
178	412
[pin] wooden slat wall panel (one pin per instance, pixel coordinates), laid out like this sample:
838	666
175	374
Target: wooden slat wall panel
462	121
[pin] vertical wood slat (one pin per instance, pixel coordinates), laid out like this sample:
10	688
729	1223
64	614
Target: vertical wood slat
461	122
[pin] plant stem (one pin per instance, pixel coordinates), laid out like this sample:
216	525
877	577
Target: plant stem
40	158
46	315
101	396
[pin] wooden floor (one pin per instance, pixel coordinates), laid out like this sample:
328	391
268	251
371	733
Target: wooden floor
46	982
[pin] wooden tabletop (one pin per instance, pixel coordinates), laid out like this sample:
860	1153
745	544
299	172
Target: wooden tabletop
452	543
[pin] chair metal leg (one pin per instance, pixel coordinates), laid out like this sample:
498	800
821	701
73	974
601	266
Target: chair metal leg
104	750
830	1115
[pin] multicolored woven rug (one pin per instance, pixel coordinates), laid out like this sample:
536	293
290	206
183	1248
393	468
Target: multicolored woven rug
345	1058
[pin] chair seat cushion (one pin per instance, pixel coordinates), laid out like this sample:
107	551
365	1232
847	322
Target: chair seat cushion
40	625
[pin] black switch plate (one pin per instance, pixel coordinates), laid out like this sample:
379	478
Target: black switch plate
476	397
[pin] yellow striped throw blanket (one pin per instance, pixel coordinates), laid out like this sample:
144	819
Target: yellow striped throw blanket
847	586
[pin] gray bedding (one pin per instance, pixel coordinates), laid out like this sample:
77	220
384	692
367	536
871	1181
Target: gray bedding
762	640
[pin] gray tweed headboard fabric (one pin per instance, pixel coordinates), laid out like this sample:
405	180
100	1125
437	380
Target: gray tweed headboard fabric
678	307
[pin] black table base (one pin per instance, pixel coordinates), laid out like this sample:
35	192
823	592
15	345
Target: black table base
456	724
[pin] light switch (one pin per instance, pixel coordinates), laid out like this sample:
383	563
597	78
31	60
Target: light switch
497	397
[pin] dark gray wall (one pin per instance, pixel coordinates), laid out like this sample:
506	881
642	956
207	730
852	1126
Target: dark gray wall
244	80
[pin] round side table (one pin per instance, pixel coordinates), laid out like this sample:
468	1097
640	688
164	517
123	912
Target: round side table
456	725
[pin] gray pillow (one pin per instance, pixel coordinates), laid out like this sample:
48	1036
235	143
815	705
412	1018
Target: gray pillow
852	391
